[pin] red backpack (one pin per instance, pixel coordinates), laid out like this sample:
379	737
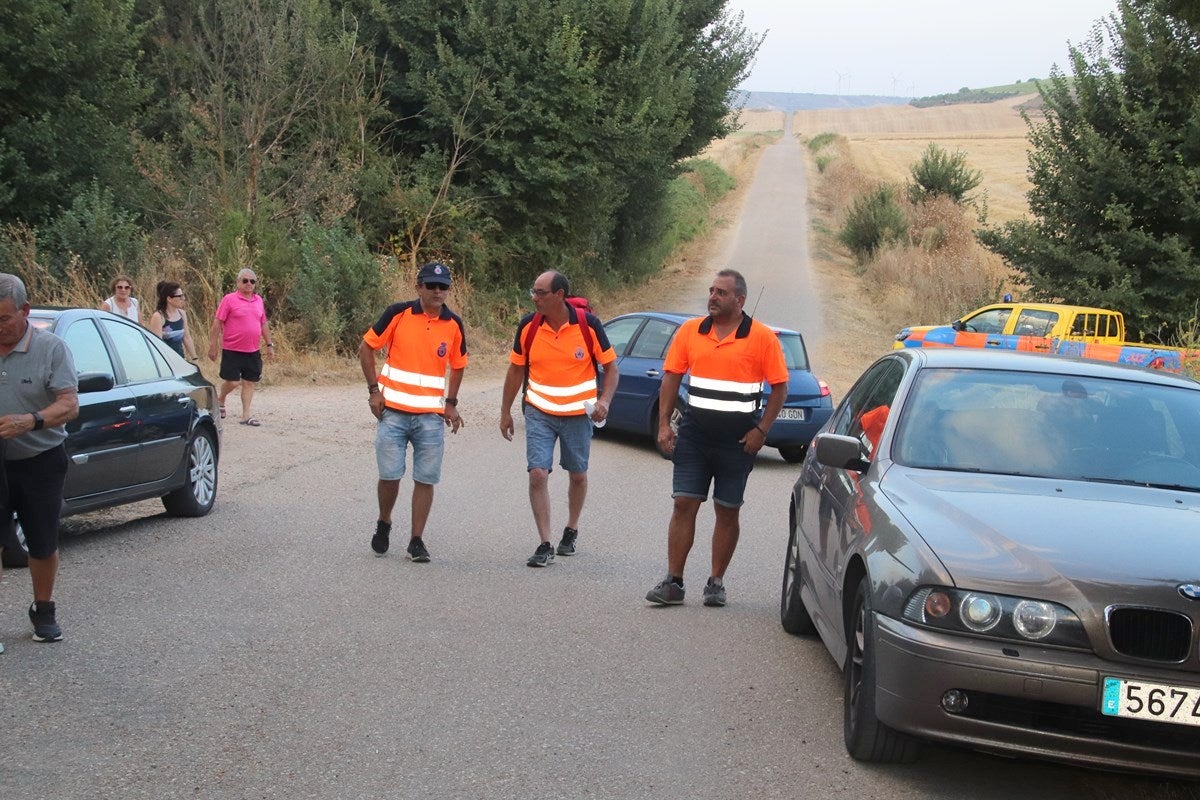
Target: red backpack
582	309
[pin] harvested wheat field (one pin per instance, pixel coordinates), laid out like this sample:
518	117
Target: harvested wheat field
887	140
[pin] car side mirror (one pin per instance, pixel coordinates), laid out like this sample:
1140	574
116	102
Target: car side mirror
95	382
957	325
841	452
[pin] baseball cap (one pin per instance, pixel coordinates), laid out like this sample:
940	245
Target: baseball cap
434	272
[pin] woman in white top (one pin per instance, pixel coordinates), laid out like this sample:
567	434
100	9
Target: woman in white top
169	320
122	302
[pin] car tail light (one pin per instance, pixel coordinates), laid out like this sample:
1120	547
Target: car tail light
824	388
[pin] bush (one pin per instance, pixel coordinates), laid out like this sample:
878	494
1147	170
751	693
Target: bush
337	291
819	141
874	220
107	239
939	173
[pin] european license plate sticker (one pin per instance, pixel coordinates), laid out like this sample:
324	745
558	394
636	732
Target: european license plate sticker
1159	702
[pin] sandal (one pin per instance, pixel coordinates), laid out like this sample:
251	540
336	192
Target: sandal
222	409
252	422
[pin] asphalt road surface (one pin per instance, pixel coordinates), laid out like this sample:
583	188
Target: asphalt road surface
265	652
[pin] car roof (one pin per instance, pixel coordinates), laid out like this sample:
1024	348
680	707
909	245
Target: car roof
977	358
679	317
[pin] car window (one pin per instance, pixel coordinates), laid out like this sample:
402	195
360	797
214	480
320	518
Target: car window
866	408
990	321
1036	322
653	340
87	348
793	351
134	351
620	331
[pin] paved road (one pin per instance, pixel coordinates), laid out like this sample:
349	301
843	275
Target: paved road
263	652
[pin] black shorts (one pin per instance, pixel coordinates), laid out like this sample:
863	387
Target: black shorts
35	493
239	366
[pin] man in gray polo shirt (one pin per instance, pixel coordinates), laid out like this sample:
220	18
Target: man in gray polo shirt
38	396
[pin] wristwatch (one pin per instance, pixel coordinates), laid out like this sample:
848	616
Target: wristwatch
38	422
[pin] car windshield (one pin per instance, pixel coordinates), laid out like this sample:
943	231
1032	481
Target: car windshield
793	350
1048	425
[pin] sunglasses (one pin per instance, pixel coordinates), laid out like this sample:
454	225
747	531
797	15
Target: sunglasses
179	296
441	286
249	280
125	287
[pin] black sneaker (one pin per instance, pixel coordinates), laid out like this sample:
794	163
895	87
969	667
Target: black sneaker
417	552
45	629
567	546
666	593
543	556
714	592
379	542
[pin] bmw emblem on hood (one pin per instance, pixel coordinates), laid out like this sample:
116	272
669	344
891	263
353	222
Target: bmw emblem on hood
1190	590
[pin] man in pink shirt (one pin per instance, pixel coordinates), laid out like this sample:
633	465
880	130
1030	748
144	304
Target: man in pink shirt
241	321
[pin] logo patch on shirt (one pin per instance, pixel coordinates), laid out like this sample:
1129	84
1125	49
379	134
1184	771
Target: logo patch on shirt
442	350
578	353
27	381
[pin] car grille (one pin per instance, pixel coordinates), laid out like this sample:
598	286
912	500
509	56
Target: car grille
1150	633
1077	721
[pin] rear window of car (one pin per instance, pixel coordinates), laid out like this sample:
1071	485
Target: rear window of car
793	351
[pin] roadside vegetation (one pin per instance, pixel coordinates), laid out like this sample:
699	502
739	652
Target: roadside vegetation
336	146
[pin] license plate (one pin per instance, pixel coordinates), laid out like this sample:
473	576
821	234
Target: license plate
1153	701
792	413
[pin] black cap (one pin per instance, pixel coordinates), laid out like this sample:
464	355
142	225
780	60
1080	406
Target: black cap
434	272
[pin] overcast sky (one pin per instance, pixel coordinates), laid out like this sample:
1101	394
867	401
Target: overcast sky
912	48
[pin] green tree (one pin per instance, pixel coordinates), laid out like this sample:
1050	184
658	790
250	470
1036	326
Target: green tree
941	173
1115	168
69	94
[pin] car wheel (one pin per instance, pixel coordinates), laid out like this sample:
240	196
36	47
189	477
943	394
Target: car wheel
195	498
792	614
793	454
16	551
868	739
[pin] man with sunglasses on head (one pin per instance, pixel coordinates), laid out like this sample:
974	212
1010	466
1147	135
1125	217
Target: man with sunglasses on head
558	372
413	399
239	325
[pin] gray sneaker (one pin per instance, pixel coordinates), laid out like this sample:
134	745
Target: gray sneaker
543	556
666	593
714	592
45	626
567	546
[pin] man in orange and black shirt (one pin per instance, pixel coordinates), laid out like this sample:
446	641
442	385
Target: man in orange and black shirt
413	399
728	356
559	373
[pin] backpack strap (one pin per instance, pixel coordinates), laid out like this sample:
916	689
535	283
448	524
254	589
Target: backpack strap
585	330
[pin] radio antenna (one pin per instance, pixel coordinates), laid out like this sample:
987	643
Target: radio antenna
760	291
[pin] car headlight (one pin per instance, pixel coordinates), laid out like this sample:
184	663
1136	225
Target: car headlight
996	616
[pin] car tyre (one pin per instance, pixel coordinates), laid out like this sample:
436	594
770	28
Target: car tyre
792	614
16	551
196	497
793	454
868	739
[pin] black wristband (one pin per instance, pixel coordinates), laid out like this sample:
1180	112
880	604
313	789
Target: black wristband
452	401
38	422
372	389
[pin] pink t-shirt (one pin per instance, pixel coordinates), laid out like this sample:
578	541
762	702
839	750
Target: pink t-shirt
243	320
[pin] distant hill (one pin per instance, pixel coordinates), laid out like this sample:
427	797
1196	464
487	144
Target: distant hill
792	101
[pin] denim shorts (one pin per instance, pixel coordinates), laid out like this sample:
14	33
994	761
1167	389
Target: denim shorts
427	435
574	435
700	462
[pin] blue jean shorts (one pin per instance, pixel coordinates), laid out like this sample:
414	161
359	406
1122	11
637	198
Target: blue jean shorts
700	462
574	435
427	435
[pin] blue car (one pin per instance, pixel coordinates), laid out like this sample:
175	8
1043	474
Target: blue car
640	341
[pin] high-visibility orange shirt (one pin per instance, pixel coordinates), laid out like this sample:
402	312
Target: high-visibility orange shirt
420	348
726	375
562	376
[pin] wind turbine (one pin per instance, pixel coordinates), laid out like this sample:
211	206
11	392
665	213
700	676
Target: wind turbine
839	91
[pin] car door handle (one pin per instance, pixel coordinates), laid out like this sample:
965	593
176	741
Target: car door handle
128	409
184	401
652	373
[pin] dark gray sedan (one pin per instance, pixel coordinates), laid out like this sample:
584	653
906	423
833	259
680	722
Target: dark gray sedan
148	423
1000	550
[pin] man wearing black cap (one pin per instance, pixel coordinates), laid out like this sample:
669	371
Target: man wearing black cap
413	399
